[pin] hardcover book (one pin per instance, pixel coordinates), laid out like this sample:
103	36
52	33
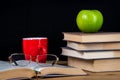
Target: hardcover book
92	37
66	51
94	46
100	65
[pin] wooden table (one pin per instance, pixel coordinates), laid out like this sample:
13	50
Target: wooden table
90	76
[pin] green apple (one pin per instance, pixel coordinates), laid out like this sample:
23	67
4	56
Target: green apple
89	21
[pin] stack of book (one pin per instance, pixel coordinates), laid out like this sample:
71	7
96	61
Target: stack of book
95	52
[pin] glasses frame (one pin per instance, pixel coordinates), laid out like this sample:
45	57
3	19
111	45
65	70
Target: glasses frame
11	60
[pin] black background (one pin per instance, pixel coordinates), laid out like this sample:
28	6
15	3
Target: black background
29	18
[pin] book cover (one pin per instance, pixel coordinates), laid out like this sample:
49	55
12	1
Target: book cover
66	51
92	37
100	65
8	70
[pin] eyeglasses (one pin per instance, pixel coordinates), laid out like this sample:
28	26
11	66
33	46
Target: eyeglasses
19	59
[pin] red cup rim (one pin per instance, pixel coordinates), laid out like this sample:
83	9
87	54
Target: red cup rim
33	38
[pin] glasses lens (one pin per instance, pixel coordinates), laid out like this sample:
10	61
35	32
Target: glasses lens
19	56
19	59
47	58
22	62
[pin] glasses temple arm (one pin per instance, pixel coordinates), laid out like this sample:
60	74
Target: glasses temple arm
12	60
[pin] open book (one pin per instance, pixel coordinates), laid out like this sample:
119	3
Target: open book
8	70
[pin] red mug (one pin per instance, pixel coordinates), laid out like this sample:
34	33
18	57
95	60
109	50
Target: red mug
34	47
